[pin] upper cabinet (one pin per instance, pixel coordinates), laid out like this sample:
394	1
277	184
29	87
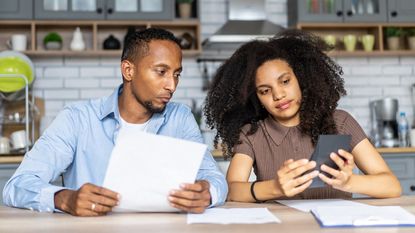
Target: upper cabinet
401	10
16	9
104	9
349	11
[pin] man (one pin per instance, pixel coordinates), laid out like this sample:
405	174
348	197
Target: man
80	140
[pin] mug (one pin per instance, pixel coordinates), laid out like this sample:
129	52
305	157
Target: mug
18	139
18	42
4	145
349	42
368	42
330	40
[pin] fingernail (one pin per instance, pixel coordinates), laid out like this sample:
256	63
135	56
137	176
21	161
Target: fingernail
118	196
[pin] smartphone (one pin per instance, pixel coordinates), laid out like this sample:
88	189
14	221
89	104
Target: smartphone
327	144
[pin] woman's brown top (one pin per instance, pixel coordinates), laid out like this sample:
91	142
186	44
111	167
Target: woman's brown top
273	143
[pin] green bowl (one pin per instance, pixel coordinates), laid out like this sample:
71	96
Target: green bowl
11	66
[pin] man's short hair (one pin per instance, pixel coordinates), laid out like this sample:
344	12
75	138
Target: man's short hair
136	42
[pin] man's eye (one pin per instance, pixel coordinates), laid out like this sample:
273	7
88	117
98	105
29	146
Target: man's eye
161	72
285	81
177	76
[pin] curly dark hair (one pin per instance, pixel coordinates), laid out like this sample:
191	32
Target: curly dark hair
136	42
232	101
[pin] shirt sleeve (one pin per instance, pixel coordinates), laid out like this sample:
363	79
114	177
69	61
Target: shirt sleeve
208	170
245	147
30	187
348	125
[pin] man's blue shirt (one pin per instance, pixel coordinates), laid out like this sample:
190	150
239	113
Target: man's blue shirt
78	144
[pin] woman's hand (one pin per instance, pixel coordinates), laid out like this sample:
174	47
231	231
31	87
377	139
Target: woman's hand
340	178
290	179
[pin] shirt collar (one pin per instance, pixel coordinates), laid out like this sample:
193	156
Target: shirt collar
275	130
110	105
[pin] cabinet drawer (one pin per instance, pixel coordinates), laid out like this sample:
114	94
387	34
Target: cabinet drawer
402	167
408	187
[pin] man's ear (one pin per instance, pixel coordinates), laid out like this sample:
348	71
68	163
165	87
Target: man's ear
128	70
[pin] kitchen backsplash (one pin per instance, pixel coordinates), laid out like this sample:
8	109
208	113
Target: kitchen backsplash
64	80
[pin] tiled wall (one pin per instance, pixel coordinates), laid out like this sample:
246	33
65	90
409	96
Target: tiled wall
64	80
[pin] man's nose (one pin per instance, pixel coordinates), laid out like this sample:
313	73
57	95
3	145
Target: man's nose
170	84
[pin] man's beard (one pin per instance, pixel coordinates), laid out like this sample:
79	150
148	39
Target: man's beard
149	106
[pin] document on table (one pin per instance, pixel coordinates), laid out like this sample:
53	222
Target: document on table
359	216
144	167
307	205
233	216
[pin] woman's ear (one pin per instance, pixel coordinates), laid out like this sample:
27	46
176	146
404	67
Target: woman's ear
128	70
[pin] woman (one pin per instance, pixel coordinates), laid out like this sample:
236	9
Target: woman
269	103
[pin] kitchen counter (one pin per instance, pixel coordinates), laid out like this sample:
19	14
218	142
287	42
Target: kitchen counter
217	154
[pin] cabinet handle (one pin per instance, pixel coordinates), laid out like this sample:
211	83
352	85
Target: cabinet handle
110	10
412	188
394	13
349	13
99	10
339	13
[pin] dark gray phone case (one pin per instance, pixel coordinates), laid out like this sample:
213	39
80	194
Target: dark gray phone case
325	145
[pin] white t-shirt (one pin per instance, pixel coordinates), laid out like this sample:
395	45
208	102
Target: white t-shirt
130	126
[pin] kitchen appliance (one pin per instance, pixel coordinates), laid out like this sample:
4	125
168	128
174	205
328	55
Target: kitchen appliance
247	20
384	130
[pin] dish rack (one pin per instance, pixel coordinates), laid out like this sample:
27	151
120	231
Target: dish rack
30	108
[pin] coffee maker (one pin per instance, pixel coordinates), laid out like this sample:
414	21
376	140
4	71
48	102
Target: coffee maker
384	130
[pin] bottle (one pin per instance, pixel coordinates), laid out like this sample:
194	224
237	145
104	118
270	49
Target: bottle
403	130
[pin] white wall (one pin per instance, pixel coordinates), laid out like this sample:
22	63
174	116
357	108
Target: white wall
64	80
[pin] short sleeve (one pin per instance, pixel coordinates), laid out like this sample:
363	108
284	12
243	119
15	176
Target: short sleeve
348	125
245	146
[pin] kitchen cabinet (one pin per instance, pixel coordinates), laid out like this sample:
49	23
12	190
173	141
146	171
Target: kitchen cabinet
94	33
16	9
6	171
403	166
104	9
337	11
401	10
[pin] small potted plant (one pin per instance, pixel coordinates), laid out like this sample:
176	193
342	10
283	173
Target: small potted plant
410	33
52	41
185	8
393	35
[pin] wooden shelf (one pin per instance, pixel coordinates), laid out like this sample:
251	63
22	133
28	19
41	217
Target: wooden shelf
94	33
358	29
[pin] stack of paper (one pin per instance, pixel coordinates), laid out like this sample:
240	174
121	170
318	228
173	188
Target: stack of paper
354	216
308	205
234	215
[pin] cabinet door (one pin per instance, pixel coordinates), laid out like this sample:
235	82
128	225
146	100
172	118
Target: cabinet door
69	9
6	171
16	9
320	10
401	11
365	11
140	9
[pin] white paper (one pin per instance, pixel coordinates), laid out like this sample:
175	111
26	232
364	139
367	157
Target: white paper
233	216
307	205
144	168
332	216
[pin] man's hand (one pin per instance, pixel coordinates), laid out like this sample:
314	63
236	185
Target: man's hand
89	200
192	198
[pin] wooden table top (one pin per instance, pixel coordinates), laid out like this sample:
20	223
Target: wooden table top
18	220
